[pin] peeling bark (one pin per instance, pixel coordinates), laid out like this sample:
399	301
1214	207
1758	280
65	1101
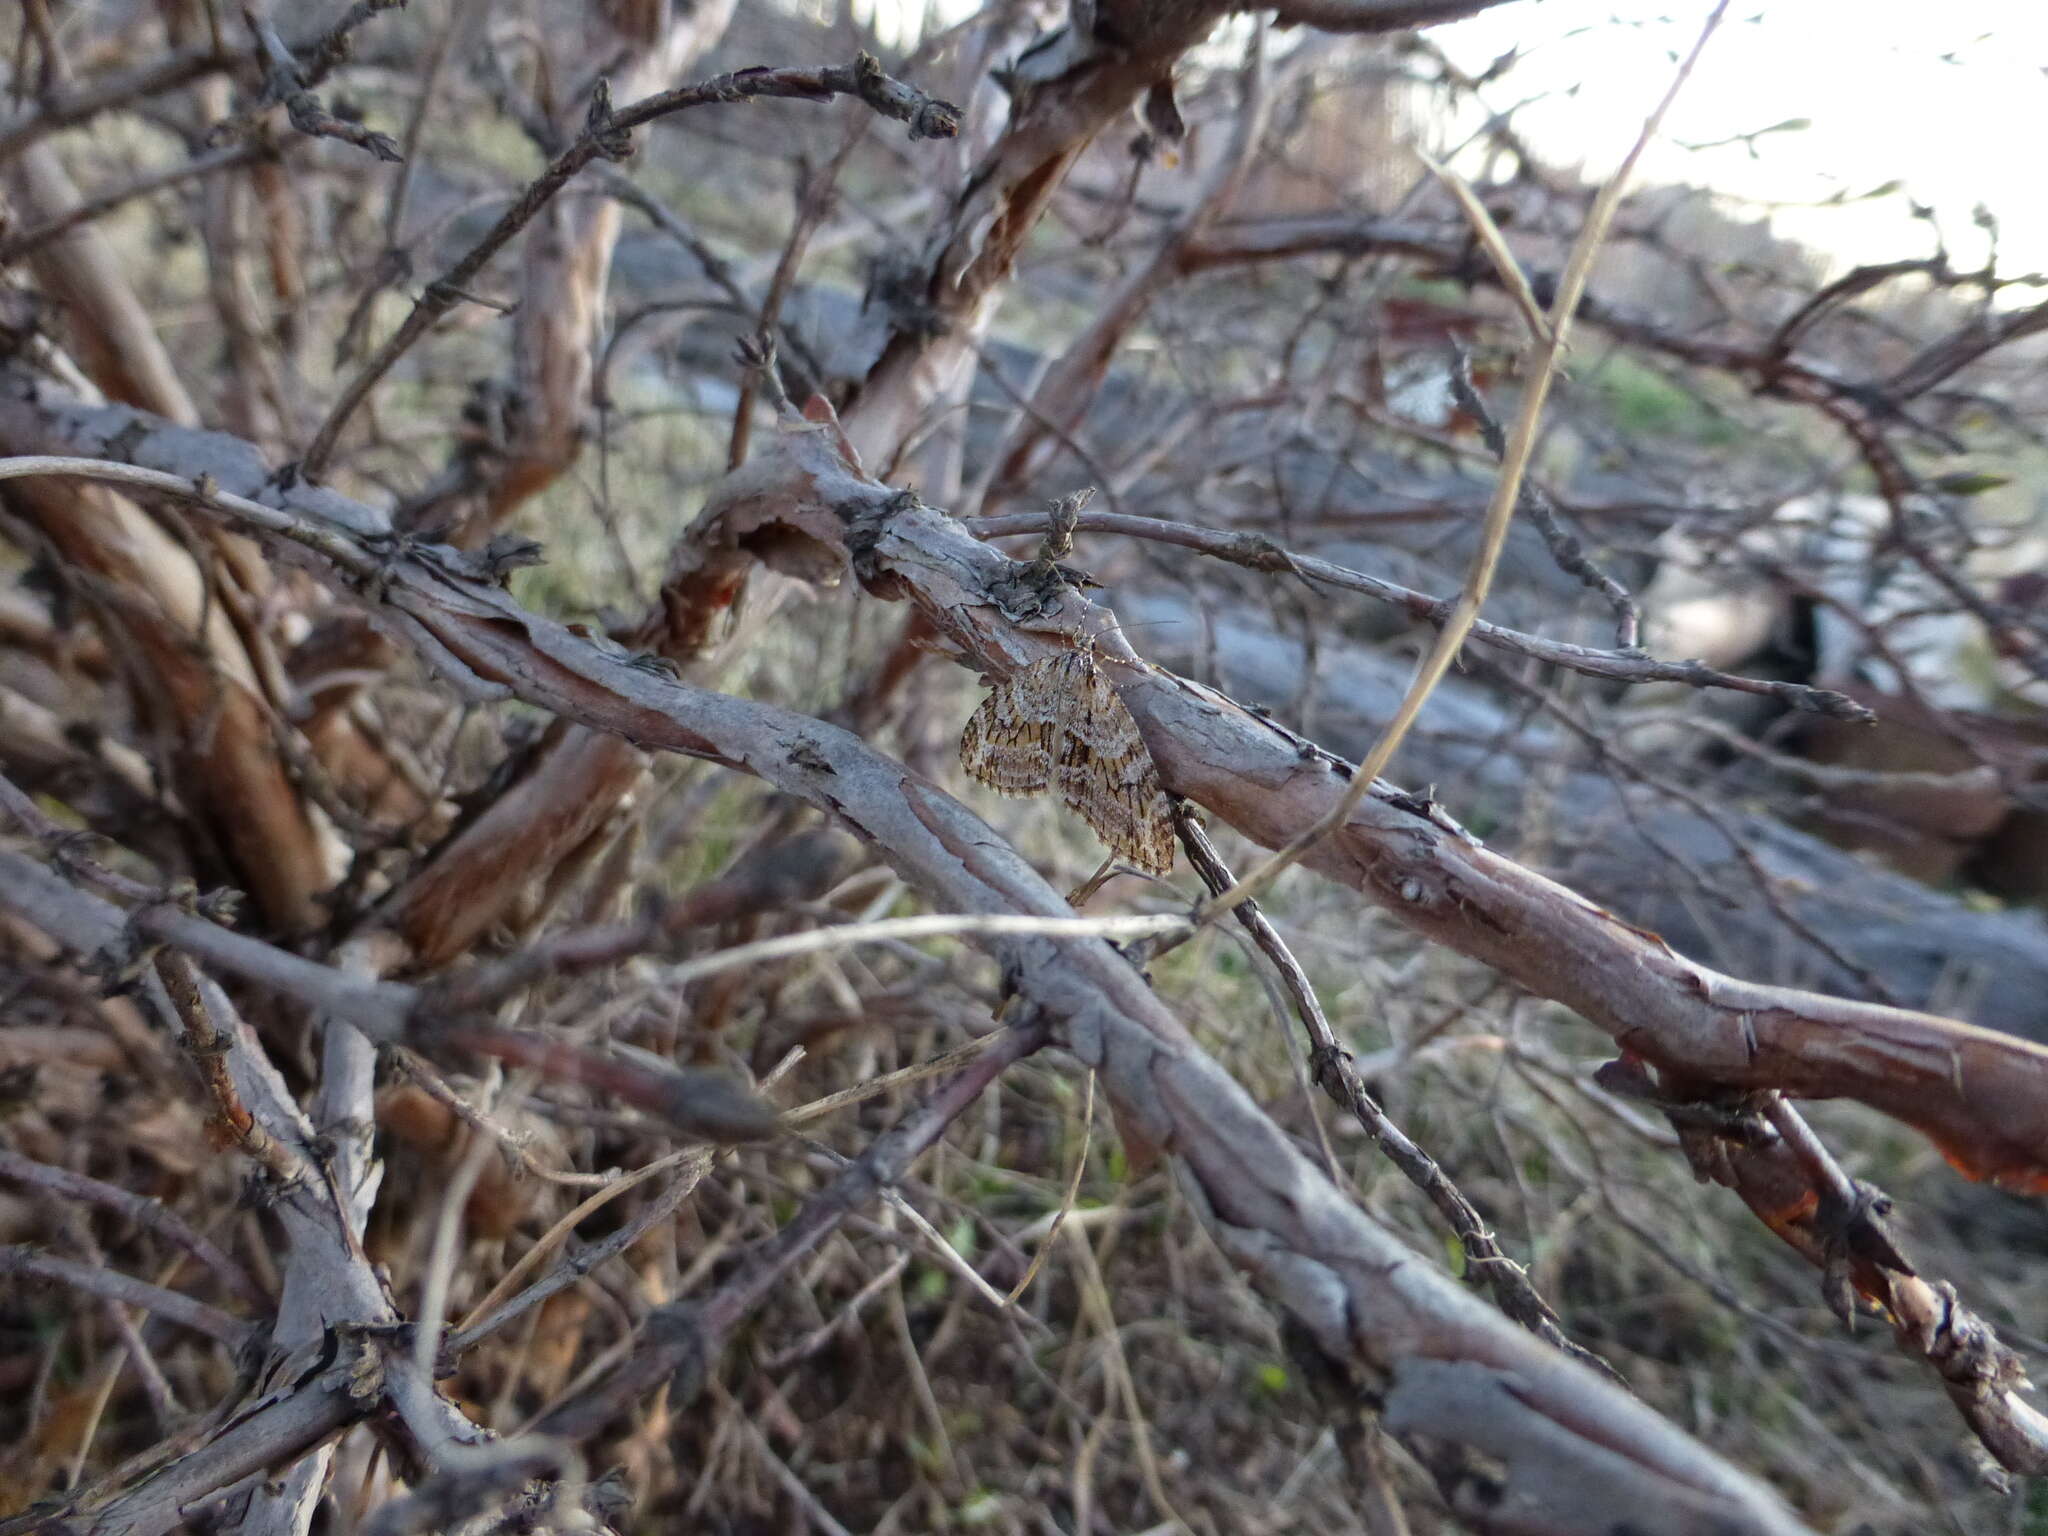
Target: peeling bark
194	683
472	882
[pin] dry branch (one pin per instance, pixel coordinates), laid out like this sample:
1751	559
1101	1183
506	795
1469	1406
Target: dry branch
1459	1388
1541	361
15	1259
145	1213
1331	1069
69	106
394	1013
1394	1320
1065	90
1256	552
1976	1094
16	246
609	136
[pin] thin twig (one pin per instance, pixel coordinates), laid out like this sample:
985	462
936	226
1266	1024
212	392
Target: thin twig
931	925
687	1338
903	1077
1073	1190
68	108
1336	1074
936	1245
609	136
769	879
1095	1301
14	247
19	1259
1257	552
1546	353
694	1162
147	1213
1496	246
345	551
1565	547
816	1513
208	1049
333	47
815	193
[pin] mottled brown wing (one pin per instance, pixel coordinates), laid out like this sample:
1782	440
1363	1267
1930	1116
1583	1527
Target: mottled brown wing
1007	747
1104	772
1091	713
1154	846
1127	811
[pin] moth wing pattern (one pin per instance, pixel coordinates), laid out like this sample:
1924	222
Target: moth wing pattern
1127	810
1005	748
1106	774
1058	723
1095	717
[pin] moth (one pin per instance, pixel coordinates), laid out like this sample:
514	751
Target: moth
1057	725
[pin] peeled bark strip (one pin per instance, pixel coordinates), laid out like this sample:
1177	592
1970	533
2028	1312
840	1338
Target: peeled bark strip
472	882
193	681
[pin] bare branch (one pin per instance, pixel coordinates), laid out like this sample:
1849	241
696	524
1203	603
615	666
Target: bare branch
15	1259
700	1102
1535	507
1545	354
1317	1255
1707	1027
150	1214
609	137
16	246
67	108
1258	553
1331	1069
